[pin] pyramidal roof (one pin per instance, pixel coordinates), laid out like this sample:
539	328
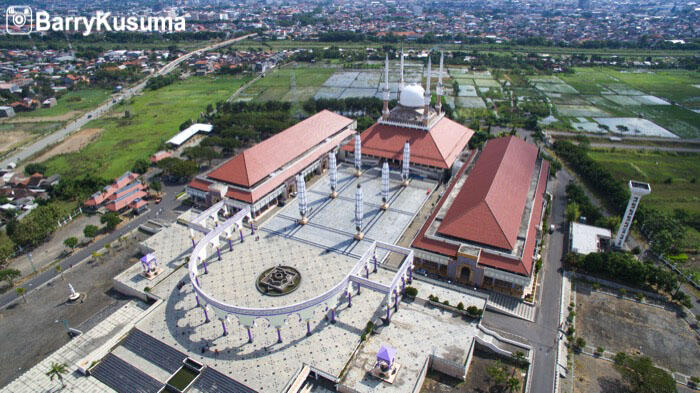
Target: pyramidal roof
489	207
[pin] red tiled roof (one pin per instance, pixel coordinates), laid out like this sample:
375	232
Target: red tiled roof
489	207
199	184
440	247
259	161
523	265
438	147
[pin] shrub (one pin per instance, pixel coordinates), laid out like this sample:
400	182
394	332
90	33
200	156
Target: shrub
411	292
596	286
694	381
570	331
447	303
600	350
147	289
538	265
636	250
460	306
579	344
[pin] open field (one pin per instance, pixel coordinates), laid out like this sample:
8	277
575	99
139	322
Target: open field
664	97
14	135
277	85
73	143
155	117
683	192
77	102
674	85
620	325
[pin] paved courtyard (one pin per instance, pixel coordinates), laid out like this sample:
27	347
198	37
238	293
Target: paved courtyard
331	221
232	280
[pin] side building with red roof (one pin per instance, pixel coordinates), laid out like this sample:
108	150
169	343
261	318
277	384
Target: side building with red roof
264	174
485	231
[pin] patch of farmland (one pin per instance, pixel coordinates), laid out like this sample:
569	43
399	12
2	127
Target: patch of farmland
352	92
634	126
329	92
568	99
466	91
561	88
588	126
625	90
486	83
470	102
580	111
341	79
623	100
651	100
545	79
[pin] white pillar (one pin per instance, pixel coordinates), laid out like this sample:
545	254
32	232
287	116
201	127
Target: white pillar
405	171
358	155
359	213
385	186
301	199
333	169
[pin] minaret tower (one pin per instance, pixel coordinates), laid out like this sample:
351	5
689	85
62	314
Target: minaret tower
401	81
385	111
426	107
439	91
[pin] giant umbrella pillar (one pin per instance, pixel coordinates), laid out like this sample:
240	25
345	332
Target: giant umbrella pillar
405	171
333	169
385	186
301	198
359	212
358	155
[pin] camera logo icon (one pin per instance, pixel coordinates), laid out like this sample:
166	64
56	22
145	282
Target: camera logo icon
19	20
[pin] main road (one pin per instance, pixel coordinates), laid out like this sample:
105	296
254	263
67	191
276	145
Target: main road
168	203
75	125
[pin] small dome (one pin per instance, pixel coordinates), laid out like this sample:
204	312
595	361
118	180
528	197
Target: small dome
412	96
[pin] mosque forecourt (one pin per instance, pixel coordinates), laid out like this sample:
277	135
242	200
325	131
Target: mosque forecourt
212	237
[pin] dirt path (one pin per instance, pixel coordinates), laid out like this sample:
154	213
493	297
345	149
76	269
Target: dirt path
72	144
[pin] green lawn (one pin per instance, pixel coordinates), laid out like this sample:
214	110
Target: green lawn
155	117
655	168
79	100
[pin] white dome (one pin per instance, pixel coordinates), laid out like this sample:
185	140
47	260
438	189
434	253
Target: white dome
412	96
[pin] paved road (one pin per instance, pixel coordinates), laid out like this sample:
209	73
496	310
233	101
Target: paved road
75	125
167	204
542	334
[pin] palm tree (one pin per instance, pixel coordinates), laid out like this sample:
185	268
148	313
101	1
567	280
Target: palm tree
20	292
57	370
513	384
519	358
